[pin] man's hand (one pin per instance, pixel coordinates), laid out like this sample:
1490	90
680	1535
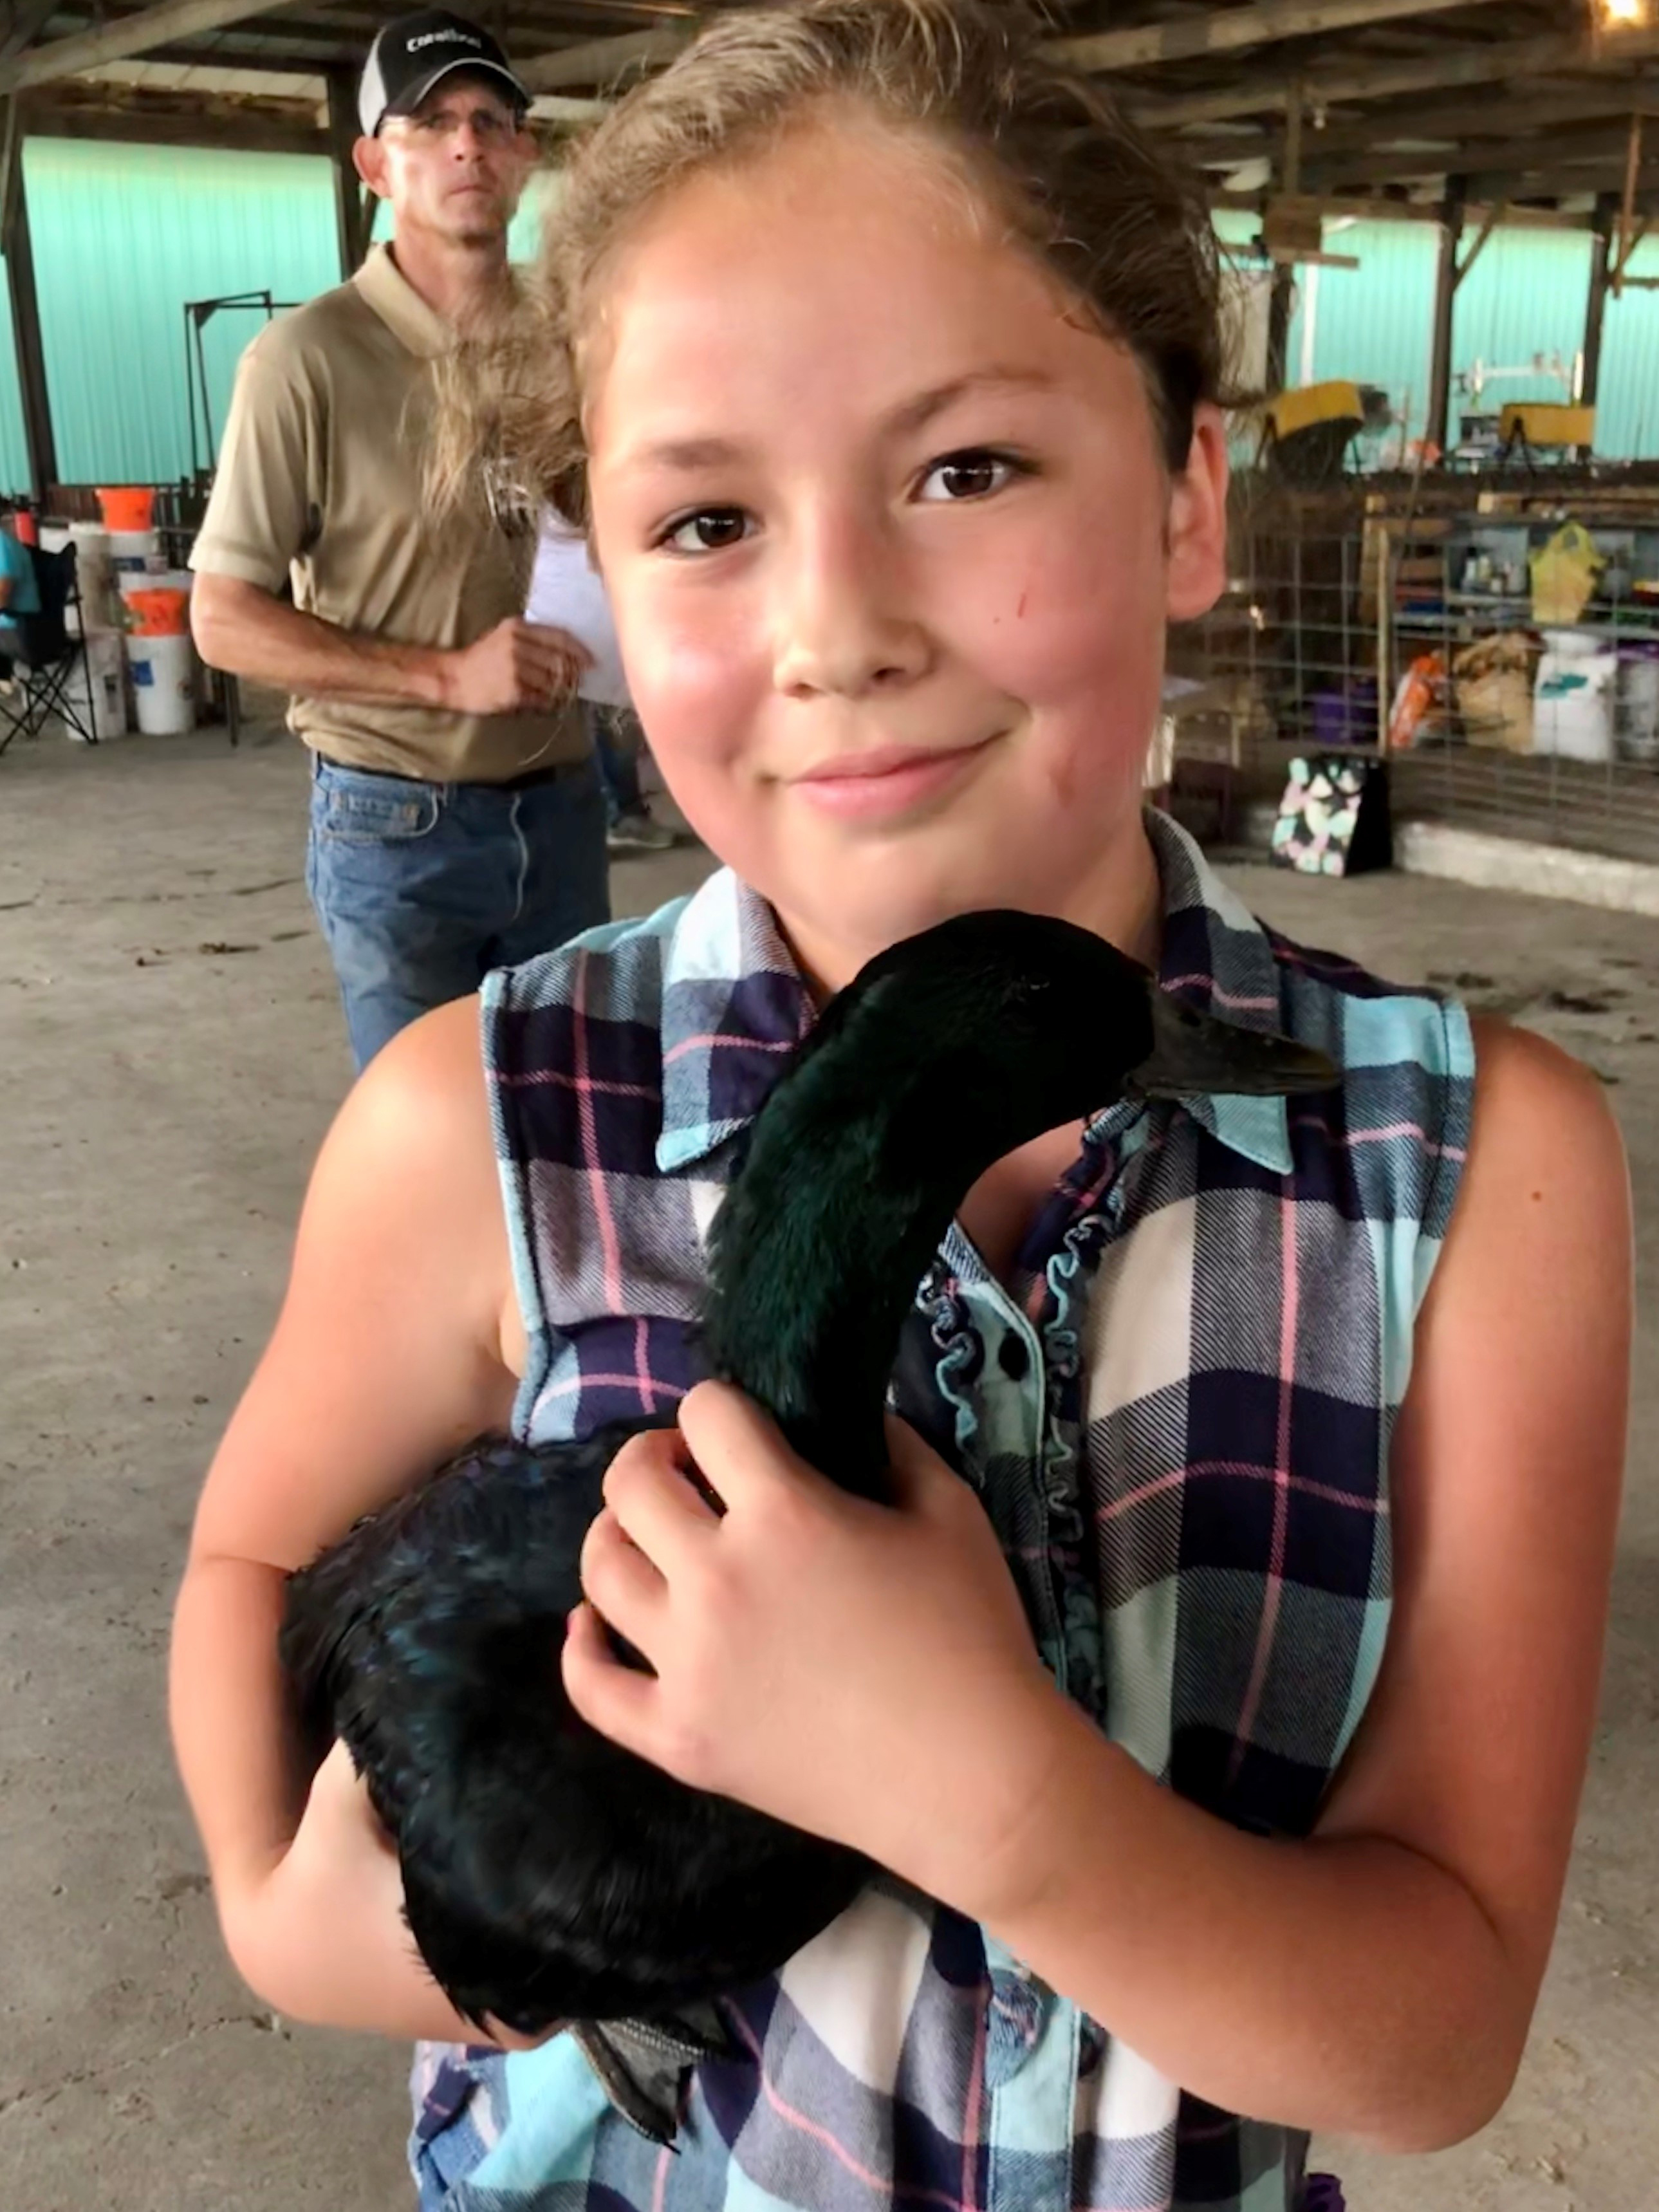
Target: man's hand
514	669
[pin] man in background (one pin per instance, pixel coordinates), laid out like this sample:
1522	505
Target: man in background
457	821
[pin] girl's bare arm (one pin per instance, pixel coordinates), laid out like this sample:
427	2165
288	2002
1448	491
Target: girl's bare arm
387	1355
1379	1980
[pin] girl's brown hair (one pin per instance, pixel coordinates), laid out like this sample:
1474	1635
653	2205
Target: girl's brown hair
1124	226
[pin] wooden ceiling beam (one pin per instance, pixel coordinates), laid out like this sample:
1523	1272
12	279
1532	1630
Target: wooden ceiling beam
1457	120
26	20
1488	156
1433	137
606	62
1518	182
1457	69
1232	30
221	123
124	37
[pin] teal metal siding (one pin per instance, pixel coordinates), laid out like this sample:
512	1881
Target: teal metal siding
1373	323
13	450
1627	419
123	236
1525	295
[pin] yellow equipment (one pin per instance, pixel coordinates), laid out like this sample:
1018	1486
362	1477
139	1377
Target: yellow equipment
1538	424
1306	433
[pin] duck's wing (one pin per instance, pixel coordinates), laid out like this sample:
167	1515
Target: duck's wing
388	1637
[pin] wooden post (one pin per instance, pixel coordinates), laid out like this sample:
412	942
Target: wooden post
1595	306
1281	301
1445	301
354	206
1627	242
16	244
1293	110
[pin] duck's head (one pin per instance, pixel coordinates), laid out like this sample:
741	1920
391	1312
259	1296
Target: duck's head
1063	1013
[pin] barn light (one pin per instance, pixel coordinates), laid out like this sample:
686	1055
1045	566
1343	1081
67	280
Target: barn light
1623	15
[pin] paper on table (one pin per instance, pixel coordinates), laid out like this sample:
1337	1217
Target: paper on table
565	593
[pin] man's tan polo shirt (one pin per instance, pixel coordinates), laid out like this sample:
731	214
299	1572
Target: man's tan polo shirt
319	478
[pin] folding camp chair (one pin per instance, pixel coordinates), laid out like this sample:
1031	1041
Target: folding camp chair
50	675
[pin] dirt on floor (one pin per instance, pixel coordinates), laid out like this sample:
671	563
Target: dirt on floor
170	1051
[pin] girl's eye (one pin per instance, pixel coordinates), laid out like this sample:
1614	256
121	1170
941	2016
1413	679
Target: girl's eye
711	529
972	475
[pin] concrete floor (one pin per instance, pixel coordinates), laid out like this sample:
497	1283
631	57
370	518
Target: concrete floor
170	1051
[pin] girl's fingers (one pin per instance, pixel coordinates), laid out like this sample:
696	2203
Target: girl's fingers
738	1449
613	1699
622	1582
655	1501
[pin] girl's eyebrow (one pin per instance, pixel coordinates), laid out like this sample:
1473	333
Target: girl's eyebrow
688	455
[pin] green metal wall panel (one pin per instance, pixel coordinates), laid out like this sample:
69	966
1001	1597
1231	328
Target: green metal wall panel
1373	323
1525	295
123	235
14	449
1627	419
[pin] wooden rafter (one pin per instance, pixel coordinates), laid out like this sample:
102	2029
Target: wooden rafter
606	62
1503	62
1561	156
1449	123
127	35
1229	30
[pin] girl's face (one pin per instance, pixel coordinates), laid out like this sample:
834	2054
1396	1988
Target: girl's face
890	548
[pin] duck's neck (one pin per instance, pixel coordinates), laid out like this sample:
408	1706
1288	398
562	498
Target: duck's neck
824	1236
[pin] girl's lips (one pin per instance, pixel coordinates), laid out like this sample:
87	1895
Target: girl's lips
885	782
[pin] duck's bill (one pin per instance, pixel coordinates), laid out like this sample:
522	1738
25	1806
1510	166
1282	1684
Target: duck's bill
1194	1055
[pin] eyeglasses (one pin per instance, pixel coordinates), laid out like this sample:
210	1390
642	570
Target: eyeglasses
493	127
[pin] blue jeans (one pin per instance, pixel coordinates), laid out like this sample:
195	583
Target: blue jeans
422	888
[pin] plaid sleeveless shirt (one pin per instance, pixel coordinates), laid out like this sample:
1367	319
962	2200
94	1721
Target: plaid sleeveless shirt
1178	1420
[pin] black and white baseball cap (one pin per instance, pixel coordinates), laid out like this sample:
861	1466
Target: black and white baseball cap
408	58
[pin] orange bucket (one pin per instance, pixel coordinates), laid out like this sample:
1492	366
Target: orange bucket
157	610
127	507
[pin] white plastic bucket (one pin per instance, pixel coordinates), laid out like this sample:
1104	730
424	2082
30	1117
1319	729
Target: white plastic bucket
1573	703
95	579
101	661
136	552
1638	707
163	684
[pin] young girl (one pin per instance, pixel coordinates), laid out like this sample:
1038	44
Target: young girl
1222	1734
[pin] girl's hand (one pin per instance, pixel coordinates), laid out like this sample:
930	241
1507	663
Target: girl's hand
864	1672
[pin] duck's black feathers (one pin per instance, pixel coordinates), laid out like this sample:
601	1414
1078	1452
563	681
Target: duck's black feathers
550	1876
432	1634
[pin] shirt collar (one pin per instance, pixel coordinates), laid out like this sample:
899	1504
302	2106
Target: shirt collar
422	329
735	1005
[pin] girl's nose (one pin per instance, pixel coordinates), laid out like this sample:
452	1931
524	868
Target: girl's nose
844	624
